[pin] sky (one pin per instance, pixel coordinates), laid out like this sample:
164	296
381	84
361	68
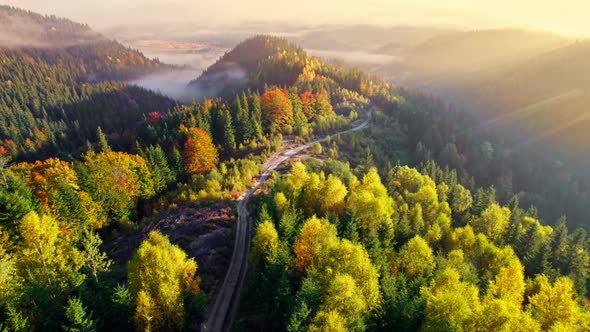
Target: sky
568	17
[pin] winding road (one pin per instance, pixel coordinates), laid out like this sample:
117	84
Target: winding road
224	309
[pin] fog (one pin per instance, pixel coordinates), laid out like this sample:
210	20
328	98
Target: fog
566	16
172	83
356	57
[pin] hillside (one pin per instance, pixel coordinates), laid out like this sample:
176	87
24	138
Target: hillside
244	64
21	28
472	52
543	91
54	98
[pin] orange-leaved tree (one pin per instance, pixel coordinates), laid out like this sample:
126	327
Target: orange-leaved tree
199	153
277	109
315	104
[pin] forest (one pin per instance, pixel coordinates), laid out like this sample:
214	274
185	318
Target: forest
416	223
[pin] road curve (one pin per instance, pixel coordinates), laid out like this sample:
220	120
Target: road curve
223	311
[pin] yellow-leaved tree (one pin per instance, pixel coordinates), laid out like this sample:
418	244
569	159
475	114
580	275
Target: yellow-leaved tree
416	258
159	275
265	243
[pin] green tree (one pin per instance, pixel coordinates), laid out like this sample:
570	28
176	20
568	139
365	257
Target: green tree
103	144
158	165
224	131
78	319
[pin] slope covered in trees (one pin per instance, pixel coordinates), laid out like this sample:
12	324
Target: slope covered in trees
52	99
468	52
401	251
534	83
25	28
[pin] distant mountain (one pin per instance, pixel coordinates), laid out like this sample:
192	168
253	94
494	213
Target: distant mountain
366	37
473	51
20	28
256	61
537	83
548	95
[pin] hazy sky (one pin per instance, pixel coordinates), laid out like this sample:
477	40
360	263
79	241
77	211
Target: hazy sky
563	16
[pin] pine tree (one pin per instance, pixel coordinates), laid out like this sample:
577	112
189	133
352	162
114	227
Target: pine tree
159	167
243	124
176	163
78	319
256	115
103	144
224	131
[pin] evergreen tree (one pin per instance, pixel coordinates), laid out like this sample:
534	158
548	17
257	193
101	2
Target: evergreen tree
224	131
103	144
78	319
159	168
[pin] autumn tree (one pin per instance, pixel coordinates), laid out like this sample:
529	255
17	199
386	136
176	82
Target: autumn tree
265	243
451	304
277	110
159	275
199	153
416	258
46	257
333	194
313	238
556	306
117	180
316	104
371	203
493	222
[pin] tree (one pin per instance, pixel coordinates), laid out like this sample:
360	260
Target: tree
265	243
316	104
245	127
16	200
103	144
277	110
78	319
313	239
256	115
343	295
158	164
509	285
556	304
333	194
95	260
199	153
416	258
493	222
330	321
370	202
224	130
461	199
450	303
48	259
117	180
159	276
